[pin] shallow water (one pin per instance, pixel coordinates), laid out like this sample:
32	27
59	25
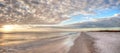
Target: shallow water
42	42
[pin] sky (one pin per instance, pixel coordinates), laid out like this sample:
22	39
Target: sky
56	12
105	13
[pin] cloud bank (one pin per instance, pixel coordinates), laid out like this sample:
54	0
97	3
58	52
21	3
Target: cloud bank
108	22
49	11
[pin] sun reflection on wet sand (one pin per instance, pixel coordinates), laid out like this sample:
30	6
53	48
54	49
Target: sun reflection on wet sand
19	38
7	39
39	42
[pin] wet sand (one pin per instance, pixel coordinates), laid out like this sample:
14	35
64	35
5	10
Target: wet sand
83	44
60	44
97	42
39	46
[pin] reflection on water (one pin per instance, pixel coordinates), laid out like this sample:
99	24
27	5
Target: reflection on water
17	38
13	39
39	42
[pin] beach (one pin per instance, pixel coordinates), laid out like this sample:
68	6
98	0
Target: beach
83	42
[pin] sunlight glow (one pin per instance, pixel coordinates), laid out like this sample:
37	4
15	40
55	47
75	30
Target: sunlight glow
10	28
7	28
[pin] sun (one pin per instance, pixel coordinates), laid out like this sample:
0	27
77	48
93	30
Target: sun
7	28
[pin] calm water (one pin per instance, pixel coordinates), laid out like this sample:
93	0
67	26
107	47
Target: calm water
17	38
26	41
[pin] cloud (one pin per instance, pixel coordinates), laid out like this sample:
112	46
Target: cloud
116	15
112	21
48	11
